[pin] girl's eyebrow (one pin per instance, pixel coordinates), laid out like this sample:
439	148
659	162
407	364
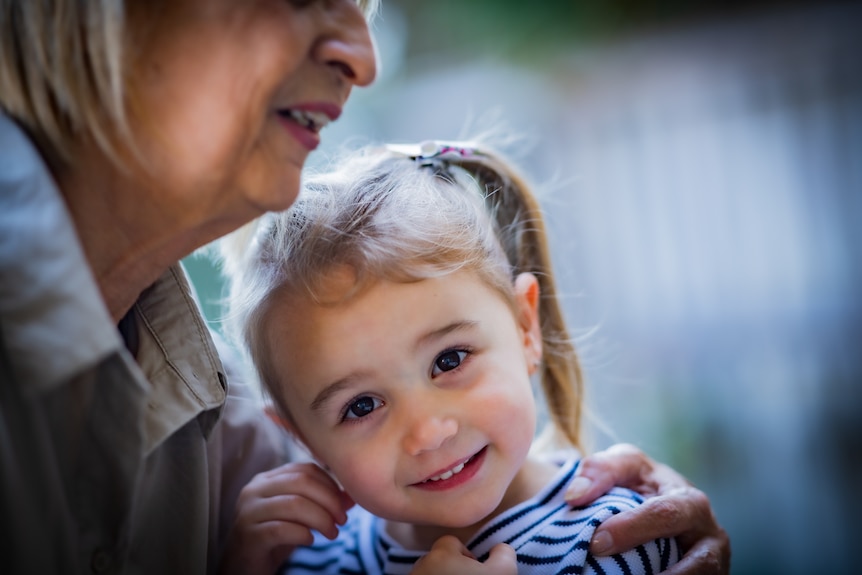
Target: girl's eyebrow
322	399
462	325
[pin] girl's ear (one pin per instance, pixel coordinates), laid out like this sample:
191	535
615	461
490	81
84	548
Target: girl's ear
283	422
527	299
274	414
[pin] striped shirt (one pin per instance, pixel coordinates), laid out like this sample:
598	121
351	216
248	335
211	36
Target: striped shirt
549	536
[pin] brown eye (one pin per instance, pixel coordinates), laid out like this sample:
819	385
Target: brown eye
362	407
448	360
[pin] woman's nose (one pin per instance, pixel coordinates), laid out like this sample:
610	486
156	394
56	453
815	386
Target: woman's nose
428	432
348	46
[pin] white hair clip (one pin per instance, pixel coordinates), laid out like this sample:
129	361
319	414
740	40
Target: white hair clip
430	151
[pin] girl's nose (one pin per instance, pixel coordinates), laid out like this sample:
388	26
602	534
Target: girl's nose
347	44
428	433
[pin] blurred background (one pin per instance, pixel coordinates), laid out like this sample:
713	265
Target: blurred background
701	168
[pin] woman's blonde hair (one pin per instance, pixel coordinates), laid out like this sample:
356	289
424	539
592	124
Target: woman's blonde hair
62	71
387	216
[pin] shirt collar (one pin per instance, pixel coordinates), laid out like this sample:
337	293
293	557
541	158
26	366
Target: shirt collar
179	357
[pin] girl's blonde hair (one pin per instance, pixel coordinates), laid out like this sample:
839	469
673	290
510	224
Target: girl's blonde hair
62	70
389	217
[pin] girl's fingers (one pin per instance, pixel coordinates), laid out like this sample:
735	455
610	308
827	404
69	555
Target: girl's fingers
269	495
448	556
291	508
450	544
272	482
502	560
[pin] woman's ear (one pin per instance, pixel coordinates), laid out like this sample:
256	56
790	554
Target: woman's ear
527	299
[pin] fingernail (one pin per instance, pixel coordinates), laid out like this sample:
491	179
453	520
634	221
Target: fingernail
578	487
602	541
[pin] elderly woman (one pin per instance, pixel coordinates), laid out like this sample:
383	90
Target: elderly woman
131	134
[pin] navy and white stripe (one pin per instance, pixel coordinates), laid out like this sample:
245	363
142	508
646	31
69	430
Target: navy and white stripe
549	536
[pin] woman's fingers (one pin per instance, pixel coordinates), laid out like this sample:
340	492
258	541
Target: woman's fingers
622	465
709	556
685	512
672	508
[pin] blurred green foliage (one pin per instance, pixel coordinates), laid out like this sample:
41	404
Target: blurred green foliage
521	30
208	284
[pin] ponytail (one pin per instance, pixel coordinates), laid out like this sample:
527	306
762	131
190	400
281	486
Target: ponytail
521	228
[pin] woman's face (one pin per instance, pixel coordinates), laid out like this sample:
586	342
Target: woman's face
227	97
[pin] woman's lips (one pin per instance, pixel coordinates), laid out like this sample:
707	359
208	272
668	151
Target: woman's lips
454	476
308	138
305	121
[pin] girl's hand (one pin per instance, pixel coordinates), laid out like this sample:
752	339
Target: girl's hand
276	511
673	508
448	556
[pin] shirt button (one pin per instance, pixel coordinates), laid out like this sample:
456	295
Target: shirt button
101	561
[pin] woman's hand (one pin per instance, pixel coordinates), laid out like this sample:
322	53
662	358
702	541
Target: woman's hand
673	508
276	511
448	556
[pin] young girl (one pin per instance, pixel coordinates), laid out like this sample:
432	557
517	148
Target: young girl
396	314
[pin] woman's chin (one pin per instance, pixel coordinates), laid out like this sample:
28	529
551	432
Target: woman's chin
278	199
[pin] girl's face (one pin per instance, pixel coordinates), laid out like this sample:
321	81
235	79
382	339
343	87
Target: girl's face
227	97
416	396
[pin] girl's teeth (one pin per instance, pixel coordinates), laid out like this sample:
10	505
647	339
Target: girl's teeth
454	471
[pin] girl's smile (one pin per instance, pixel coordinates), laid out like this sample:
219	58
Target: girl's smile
454	476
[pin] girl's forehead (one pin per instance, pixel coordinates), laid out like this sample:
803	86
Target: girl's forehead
335	284
342	283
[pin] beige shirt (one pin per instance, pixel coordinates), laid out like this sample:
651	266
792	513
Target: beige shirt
108	463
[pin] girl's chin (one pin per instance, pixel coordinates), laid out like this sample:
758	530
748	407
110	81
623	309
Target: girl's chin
420	533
